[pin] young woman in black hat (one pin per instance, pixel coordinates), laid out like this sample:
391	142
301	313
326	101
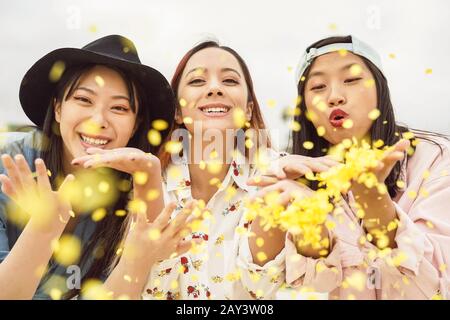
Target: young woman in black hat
93	108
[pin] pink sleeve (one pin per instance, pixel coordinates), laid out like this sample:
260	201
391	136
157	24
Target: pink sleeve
423	237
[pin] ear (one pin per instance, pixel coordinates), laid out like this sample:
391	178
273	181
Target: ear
249	111
178	116
57	110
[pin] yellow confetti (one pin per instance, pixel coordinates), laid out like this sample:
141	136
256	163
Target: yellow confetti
261	256
154	234
99	81
308	145
400	184
160	124
429	71
127	278
183	102
342	52
412	194
57	71
321	131
355	70
357	280
188	120
214	167
392	55
67	250
374	114
154	137
295	126
174	172
98	214
140	177
173	147
55	294
103	187
152	194
430	224
259	242
271	103
120	213
408	135
239	117
348	123
369	83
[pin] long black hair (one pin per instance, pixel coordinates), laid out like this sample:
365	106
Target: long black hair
384	127
110	231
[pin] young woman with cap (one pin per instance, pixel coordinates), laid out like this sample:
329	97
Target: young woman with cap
93	108
340	80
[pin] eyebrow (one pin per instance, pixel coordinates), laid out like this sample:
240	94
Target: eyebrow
321	73
95	93
222	70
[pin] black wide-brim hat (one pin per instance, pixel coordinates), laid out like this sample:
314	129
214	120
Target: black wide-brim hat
39	84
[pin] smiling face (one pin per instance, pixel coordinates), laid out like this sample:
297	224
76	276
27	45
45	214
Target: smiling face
213	86
97	113
340	91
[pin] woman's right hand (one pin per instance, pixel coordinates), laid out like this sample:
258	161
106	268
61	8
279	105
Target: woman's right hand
295	166
152	242
48	210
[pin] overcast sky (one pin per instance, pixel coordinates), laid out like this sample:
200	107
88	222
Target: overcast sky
411	37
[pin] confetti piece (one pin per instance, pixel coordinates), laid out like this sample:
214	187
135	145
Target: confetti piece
103	187
188	120
120	213
239	117
295	126
154	137
355	70
57	71
55	294
154	234
342	52
321	131
183	102
140	177
152	194
308	145
67	250
99	81
348	123
98	214
374	114
261	256
259	242
408	135
173	147
428	71
392	55
412	194
369	83
160	125
271	103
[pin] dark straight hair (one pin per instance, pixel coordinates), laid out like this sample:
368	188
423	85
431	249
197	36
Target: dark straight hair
384	127
110	231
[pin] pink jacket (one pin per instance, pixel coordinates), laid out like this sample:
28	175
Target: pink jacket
418	268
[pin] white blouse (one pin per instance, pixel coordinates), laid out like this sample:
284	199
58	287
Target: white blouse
221	268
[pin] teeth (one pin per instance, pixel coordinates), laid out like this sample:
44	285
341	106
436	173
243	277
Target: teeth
94	141
215	110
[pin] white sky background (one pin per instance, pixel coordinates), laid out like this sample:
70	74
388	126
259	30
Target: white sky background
270	35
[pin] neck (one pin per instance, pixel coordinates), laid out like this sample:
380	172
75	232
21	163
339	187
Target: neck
201	175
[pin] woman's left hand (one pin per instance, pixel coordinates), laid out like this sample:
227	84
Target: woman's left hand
288	189
129	160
